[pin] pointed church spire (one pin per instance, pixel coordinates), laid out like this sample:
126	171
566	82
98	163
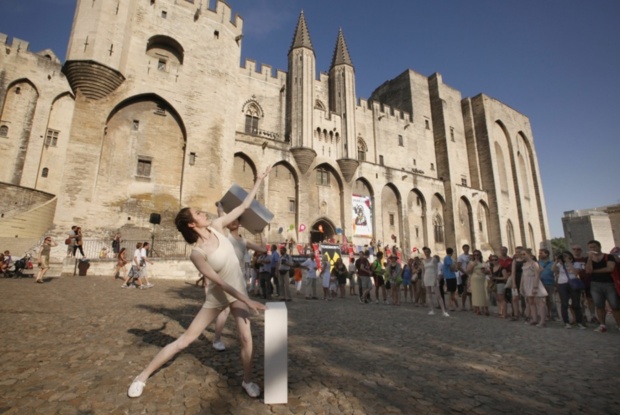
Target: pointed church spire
341	53
302	36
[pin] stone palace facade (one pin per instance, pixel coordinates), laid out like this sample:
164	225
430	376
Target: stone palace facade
152	111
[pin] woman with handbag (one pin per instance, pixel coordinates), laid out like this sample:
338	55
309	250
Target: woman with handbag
570	288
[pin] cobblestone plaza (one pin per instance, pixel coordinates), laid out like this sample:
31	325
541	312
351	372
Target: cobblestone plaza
73	345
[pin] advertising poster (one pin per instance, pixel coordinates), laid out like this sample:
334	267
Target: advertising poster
332	251
362	216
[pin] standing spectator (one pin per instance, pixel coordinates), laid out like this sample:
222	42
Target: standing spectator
600	266
505	262
394	275
516	272
363	276
499	275
449	269
533	289
116	243
442	283
548	279
71	241
407	284
429	276
564	270
144	253
580	266
310	265
478	282
352	272
274	267
79	241
325	276
254	274
264	275
463	261
377	274
341	273
419	291
371	249
284	268
44	258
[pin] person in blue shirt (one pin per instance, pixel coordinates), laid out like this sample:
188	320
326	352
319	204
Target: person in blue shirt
548	279
449	275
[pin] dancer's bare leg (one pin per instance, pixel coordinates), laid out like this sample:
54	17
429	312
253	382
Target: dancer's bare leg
204	317
220	322
242	317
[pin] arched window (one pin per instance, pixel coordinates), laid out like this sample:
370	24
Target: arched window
166	50
438	226
4	131
251	119
45	172
361	150
322	177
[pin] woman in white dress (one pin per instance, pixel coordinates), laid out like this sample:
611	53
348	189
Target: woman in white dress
430	278
215	258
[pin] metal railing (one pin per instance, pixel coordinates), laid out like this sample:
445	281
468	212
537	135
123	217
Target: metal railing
160	248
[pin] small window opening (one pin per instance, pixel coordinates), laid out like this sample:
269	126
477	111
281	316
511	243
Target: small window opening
144	168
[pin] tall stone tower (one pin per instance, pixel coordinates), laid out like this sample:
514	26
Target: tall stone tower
342	101
300	95
342	93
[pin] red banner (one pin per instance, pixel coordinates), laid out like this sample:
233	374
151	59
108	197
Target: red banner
317	255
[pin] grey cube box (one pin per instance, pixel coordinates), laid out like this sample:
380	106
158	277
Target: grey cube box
255	218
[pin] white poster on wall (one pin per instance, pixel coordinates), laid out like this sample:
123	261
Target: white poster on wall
362	216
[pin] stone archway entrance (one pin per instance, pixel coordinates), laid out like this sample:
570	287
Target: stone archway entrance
323	230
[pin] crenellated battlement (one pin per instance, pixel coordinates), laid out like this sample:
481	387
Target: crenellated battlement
223	13
264	71
19	46
387	112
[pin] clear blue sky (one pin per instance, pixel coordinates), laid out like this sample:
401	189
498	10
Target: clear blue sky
556	61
